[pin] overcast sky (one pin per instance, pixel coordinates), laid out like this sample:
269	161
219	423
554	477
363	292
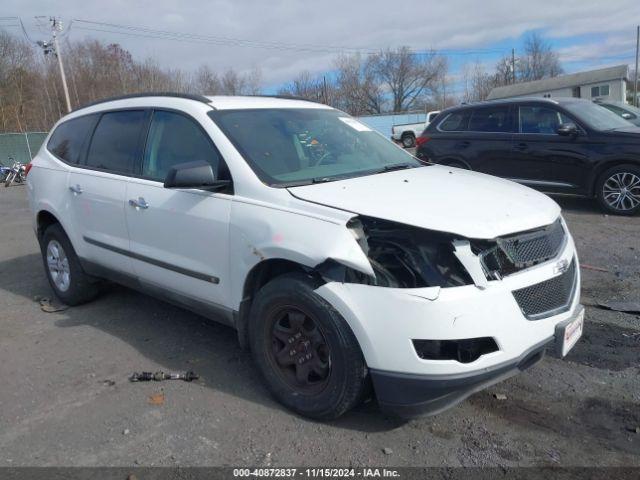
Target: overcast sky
586	33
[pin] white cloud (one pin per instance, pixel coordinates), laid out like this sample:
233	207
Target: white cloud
373	24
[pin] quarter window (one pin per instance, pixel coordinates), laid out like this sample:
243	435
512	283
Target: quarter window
116	141
541	120
455	122
67	140
490	119
175	139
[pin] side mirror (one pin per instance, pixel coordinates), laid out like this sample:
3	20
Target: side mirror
191	175
567	129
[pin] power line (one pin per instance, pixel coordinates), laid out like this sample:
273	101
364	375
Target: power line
145	32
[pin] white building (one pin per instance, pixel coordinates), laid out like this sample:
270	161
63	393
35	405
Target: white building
603	84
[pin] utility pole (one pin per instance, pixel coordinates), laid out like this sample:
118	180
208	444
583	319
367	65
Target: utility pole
513	65
636	102
444	92
56	26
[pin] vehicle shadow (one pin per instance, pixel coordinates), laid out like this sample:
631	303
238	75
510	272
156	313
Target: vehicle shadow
174	338
578	205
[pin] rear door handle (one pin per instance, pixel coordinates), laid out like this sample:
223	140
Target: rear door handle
463	144
77	189
521	146
139	203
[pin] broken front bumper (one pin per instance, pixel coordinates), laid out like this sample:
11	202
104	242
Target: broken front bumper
409	395
386	321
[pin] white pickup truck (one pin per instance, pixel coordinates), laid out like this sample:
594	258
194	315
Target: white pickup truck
408	132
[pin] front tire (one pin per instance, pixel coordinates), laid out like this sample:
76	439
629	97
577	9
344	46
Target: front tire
64	272
408	140
304	349
618	190
9	179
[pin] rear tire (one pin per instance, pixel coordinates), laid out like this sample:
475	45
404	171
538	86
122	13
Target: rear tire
618	190
67	279
304	349
408	140
9	179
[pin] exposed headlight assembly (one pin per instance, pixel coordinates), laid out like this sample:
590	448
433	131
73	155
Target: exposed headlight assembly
403	256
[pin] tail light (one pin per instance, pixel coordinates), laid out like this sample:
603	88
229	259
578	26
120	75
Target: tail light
422	140
27	169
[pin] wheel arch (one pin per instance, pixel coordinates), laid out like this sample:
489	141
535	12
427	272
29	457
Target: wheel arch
449	160
44	219
603	167
259	275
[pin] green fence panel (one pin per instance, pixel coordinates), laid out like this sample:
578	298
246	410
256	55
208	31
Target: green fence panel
20	146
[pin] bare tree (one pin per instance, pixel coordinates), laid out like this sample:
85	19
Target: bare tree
358	90
407	76
477	82
539	60
304	86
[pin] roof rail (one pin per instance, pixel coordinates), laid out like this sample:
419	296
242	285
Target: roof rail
287	97
188	96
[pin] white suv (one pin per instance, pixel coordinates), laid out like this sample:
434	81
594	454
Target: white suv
341	260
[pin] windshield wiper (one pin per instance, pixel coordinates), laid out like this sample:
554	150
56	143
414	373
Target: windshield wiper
397	166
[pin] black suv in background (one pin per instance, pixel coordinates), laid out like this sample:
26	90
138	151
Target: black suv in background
568	146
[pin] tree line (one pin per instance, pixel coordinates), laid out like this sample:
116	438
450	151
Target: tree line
392	80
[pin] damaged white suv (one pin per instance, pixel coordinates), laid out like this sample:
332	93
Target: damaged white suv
342	261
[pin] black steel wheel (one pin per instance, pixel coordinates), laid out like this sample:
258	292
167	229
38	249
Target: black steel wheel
306	352
299	351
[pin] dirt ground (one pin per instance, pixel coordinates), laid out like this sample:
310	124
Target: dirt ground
65	398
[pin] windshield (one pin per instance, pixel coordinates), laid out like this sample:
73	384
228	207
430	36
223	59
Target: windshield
596	116
300	146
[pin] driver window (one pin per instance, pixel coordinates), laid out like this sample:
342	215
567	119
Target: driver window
174	139
541	120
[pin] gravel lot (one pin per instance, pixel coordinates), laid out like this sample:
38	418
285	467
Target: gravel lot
65	398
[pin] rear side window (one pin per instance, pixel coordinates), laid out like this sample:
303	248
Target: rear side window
175	139
490	119
115	145
542	120
67	140
455	122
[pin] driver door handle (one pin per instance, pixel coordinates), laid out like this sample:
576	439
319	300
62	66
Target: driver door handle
139	203
77	189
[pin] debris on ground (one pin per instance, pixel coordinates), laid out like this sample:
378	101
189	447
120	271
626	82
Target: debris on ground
586	266
156	399
499	396
108	383
620	306
159	376
47	305
387	451
125	431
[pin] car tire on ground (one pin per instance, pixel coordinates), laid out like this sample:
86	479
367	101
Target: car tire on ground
618	190
408	140
67	279
304	349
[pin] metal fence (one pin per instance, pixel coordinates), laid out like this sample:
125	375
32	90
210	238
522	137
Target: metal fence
20	146
383	123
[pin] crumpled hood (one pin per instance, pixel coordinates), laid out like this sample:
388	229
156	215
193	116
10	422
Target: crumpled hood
440	198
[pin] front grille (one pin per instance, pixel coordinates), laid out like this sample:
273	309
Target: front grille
548	298
517	252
